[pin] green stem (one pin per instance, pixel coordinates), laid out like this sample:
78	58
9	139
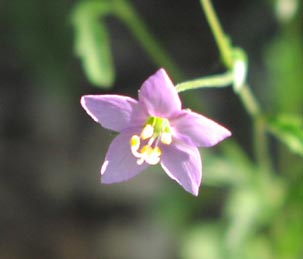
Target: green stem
209	81
129	16
260	139
261	145
219	35
249	101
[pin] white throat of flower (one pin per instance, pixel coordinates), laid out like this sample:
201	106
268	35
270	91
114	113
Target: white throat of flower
146	146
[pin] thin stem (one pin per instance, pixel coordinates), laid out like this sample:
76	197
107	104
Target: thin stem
210	81
249	101
261	144
219	35
260	140
129	16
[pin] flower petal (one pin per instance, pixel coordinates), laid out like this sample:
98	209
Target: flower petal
120	164
159	95
111	111
182	163
197	130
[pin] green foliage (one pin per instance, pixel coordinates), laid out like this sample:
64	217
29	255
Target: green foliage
288	129
92	42
203	241
256	199
232	168
287	228
258	247
284	58
249	207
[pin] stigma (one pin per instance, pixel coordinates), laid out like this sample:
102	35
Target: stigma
145	146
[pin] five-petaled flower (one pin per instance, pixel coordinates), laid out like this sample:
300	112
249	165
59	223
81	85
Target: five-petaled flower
155	129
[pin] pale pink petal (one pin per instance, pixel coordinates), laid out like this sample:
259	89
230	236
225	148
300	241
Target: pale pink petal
159	95
197	130
182	163
120	164
113	112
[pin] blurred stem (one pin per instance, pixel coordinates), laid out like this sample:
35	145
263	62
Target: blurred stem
223	80
260	139
125	11
219	35
249	101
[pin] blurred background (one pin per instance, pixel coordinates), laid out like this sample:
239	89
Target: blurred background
52	203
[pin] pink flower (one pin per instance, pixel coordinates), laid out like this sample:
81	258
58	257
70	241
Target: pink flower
155	129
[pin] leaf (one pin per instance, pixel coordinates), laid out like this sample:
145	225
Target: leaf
92	42
288	129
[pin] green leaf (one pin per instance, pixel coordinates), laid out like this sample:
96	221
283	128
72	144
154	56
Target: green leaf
288	129
92	42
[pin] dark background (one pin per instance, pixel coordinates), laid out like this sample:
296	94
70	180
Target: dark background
52	204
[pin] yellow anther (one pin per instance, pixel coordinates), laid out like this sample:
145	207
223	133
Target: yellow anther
147	131
146	149
166	138
135	142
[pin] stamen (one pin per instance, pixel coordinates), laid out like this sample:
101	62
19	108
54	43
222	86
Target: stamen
147	131
140	161
143	154
135	142
145	149
150	155
145	146
153	157
166	138
151	141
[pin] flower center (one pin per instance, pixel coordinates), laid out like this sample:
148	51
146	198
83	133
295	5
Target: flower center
146	146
